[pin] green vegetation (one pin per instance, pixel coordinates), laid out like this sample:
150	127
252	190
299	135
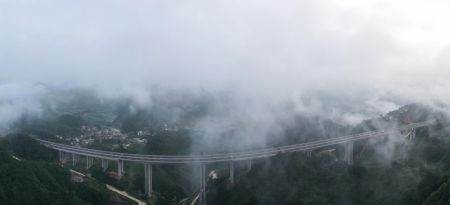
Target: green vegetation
29	175
388	171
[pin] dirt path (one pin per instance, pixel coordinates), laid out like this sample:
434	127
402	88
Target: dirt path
111	188
125	194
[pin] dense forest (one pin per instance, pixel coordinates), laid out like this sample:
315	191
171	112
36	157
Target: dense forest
414	171
30	174
392	170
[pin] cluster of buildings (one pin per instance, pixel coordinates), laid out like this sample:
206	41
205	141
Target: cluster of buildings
106	133
91	134
113	136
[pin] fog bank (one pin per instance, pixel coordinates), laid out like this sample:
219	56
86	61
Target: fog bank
346	60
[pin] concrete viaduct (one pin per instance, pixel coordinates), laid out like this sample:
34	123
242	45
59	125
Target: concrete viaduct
202	160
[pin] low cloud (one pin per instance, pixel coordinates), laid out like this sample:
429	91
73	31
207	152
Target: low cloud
345	60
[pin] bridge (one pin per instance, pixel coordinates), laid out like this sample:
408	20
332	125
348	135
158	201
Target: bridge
203	160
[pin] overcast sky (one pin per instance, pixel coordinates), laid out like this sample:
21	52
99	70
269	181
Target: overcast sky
370	50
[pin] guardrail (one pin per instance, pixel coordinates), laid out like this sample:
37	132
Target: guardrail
237	156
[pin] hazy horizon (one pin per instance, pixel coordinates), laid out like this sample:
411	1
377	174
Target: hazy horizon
323	56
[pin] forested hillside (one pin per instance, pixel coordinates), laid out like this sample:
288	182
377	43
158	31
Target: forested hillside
29	175
393	170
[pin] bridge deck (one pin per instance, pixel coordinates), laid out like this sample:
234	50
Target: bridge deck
237	156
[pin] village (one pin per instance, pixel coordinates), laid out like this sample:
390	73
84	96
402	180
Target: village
105	135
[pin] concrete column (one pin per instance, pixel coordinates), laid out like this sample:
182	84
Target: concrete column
63	157
88	162
232	172
309	153
249	165
120	171
74	160
123	167
60	154
148	180
104	164
202	197
349	153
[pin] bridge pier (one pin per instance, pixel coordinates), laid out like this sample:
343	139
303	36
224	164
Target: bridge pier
89	162
232	172
309	153
74	160
64	156
104	164
202	197
148	180
412	134
120	170
348	156
249	165
60	154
